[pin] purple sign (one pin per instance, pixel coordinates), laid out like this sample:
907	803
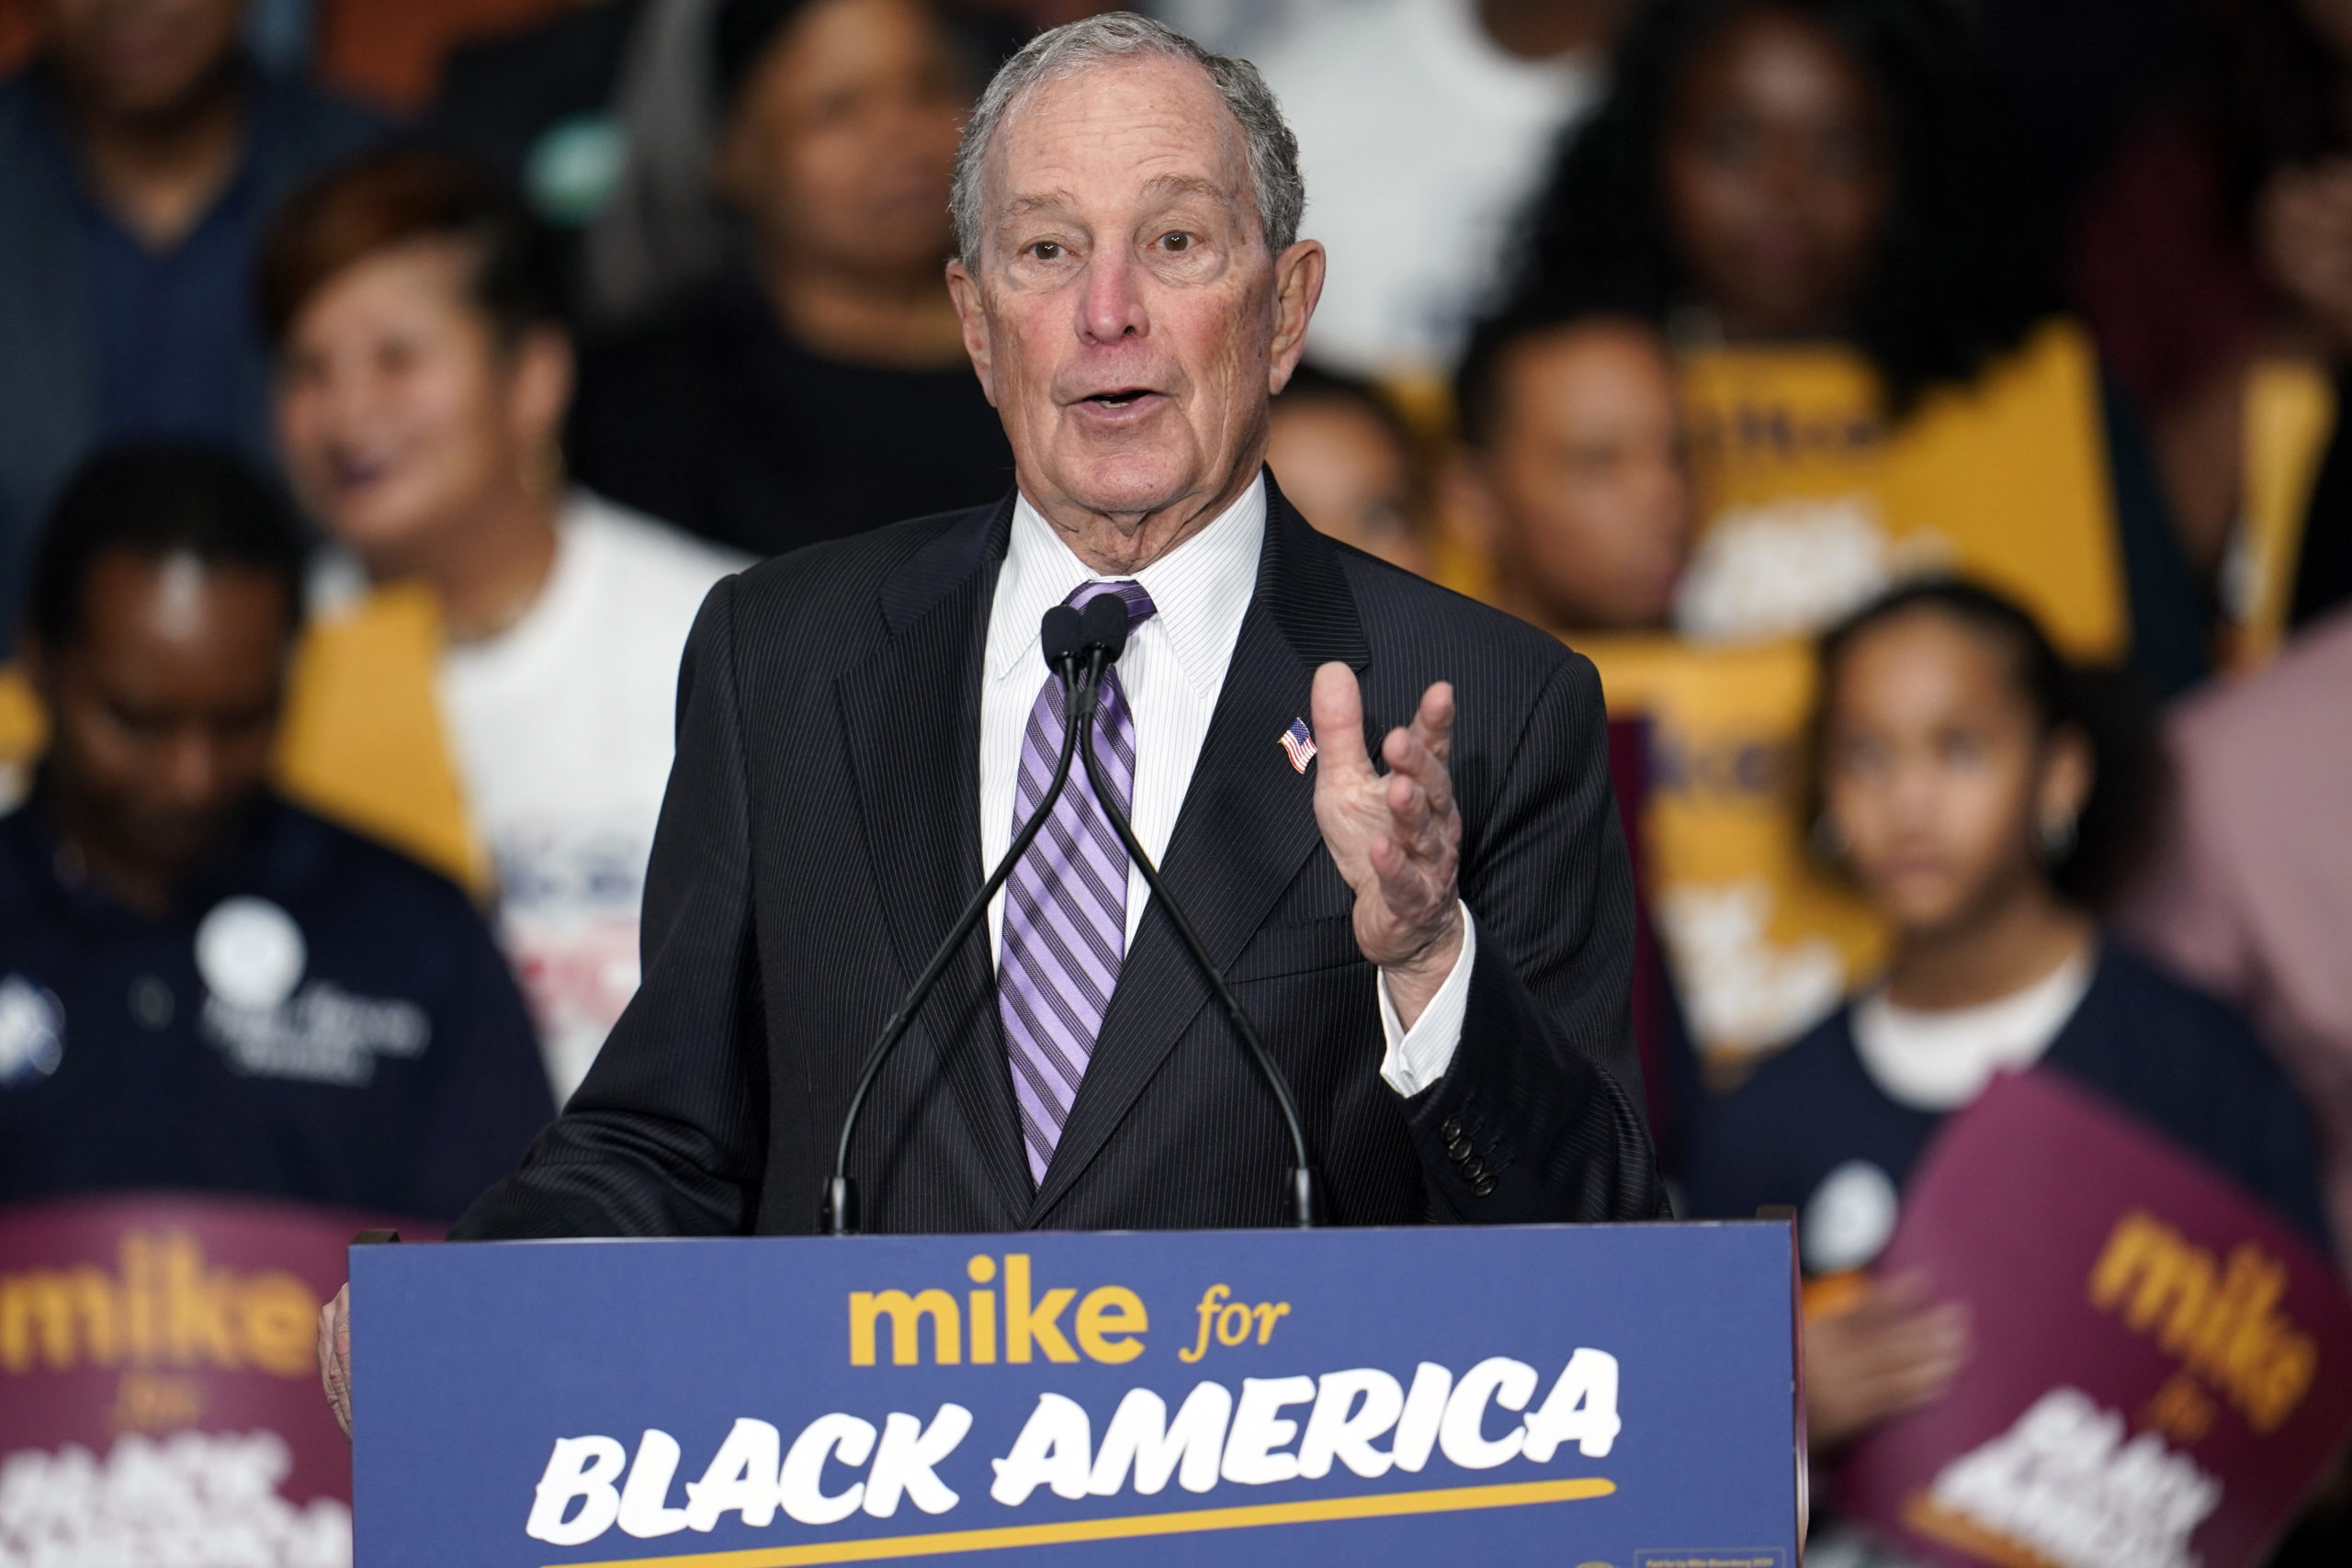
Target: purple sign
159	1399
2162	1369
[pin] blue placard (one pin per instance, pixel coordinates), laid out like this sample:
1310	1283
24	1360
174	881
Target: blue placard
1568	1394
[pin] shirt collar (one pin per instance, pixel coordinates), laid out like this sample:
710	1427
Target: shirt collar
1200	590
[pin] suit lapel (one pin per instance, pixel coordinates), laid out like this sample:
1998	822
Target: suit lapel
912	720
1247	826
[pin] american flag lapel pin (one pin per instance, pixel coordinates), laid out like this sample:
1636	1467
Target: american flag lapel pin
1298	741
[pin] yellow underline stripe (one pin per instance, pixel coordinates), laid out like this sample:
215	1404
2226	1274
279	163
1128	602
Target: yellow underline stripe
1385	1505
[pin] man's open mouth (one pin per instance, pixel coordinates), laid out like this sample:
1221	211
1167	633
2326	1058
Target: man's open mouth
1121	398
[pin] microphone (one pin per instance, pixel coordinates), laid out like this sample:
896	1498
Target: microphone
1060	634
1102	628
1102	638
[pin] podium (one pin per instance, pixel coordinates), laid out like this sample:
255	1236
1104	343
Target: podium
1581	1395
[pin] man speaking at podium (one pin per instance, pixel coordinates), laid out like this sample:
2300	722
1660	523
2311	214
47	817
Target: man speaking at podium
1437	953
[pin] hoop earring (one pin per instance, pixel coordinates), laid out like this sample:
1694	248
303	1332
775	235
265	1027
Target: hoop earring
2055	837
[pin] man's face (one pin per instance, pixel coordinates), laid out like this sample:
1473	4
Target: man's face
164	711
139	57
1122	311
1583	480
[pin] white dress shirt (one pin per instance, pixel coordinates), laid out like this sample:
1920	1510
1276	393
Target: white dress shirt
1173	671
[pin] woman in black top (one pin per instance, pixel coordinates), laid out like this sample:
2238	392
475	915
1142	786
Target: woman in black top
823	389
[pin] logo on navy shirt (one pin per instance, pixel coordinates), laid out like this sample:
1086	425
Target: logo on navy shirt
270	1024
32	1033
1850	1218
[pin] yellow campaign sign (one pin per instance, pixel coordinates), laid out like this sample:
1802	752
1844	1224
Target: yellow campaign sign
2290	413
364	741
1763	940
1810	500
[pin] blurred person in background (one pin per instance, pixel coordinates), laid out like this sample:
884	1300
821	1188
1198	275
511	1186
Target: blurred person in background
202	985
141	153
1807	194
2250	891
1574	478
1423	125
771	409
1350	463
1573	472
1984	795
2213	258
423	374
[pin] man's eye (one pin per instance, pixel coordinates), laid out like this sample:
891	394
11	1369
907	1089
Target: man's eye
1045	250
1176	242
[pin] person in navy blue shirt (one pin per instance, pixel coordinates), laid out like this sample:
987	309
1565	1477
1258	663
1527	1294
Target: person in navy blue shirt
204	986
1982	795
142	151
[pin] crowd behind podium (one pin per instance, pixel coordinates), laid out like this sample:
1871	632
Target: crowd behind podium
1930	417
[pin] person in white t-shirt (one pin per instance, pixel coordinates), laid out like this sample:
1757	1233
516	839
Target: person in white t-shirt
422	376
1423	126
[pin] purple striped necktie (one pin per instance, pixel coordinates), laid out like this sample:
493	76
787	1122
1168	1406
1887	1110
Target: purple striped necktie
1066	905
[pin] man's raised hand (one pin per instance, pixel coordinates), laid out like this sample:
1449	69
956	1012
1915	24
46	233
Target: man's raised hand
1396	836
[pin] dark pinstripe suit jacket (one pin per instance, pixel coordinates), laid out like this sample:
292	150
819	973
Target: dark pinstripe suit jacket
821	831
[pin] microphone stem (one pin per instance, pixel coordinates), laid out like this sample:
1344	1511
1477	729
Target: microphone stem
1303	1174
840	1197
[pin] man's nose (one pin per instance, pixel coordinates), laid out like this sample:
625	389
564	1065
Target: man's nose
1111	302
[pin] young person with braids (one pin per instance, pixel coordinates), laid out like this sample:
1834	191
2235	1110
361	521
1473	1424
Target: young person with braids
1983	795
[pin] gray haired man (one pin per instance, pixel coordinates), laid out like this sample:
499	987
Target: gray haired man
1423	902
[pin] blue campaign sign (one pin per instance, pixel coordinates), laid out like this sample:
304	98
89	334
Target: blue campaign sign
1580	1395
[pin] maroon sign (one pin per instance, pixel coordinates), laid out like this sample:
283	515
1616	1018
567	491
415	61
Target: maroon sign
2161	1371
157	1385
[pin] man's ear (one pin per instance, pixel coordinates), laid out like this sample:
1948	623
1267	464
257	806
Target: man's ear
971	310
1298	284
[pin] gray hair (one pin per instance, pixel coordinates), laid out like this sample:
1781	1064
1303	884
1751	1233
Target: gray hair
1119	35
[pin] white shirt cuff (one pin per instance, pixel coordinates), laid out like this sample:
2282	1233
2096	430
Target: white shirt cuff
1419	1056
